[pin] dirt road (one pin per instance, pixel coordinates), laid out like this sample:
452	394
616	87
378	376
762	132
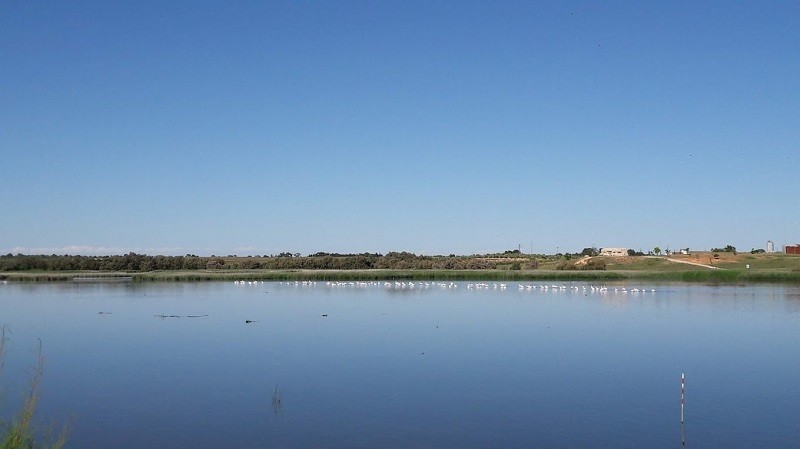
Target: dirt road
693	263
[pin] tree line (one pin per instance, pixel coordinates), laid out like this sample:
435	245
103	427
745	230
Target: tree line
133	262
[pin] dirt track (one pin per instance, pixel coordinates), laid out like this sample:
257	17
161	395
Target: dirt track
693	263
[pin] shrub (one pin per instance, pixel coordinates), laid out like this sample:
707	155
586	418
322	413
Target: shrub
596	263
565	265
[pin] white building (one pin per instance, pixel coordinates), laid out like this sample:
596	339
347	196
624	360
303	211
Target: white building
615	252
770	246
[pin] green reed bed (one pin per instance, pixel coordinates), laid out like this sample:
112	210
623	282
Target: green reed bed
698	276
771	276
694	276
28	276
681	275
377	275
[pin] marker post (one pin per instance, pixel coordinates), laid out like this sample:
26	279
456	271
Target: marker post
683	394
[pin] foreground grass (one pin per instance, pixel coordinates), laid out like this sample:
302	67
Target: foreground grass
657	272
19	433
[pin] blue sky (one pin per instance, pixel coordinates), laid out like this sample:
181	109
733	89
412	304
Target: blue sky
427	126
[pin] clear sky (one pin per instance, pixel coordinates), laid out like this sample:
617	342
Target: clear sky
435	127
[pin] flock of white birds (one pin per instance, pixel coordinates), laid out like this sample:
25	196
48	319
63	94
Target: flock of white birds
421	285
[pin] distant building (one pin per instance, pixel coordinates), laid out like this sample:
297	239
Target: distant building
616	252
770	246
792	249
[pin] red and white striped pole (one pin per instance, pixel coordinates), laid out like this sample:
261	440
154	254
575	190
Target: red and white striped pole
683	392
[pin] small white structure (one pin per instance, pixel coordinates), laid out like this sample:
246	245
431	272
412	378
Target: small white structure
770	246
614	252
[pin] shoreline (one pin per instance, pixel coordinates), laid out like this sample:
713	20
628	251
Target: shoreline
720	276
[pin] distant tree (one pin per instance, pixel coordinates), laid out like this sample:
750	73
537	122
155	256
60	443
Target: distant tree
147	265
215	263
192	263
251	264
589	252
657	250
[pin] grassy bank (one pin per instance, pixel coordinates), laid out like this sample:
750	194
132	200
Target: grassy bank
681	273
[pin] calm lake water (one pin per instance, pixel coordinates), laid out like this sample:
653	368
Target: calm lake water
440	366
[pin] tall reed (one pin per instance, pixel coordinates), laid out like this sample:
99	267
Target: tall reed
20	433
